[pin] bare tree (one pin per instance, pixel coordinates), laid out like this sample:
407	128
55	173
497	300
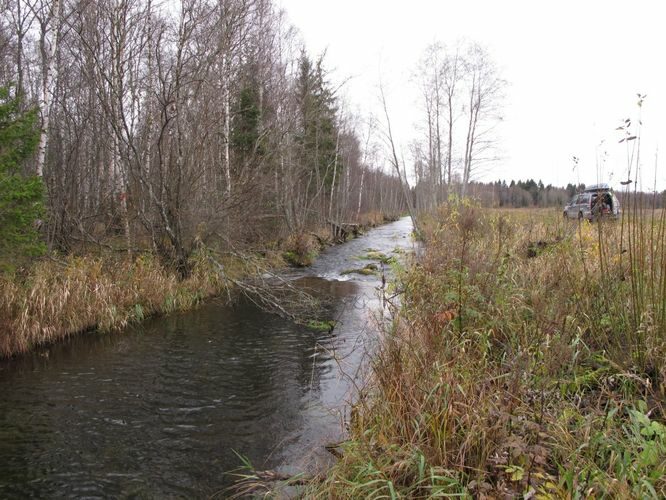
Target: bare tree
174	127
466	79
395	162
430	83
451	76
484	92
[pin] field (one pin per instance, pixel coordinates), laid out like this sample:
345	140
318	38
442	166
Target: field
526	359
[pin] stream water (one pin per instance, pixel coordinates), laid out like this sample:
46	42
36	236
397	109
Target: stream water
162	409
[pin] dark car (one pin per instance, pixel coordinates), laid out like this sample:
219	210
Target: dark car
596	201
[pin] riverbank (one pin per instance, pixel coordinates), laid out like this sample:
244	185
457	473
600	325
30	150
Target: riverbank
105	292
526	359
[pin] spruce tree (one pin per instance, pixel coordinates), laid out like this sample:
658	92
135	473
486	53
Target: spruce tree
245	135
317	103
21	195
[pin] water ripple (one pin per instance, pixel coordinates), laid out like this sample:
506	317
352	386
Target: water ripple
159	411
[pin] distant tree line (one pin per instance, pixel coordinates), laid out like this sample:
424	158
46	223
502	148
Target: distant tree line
531	193
164	125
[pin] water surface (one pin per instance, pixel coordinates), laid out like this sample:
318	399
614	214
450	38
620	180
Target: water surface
161	409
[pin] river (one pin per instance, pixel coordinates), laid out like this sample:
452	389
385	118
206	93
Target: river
162	409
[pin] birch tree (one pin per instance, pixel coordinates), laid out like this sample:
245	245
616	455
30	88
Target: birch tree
48	14
484	90
395	162
457	85
174	125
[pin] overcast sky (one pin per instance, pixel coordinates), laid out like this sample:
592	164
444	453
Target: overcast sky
573	67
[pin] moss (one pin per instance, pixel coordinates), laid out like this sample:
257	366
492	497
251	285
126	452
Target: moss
368	270
294	259
381	257
301	249
321	326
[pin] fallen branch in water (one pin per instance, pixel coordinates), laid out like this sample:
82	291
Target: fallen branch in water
252	483
271	292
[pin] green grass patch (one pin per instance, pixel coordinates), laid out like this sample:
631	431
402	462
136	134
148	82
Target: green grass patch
321	326
368	270
378	256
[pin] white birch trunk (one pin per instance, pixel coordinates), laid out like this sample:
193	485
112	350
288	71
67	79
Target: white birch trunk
335	171
360	195
48	51
227	124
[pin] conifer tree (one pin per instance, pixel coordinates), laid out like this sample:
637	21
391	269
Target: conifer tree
21	194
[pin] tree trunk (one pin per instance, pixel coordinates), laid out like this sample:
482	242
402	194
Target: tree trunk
48	50
227	124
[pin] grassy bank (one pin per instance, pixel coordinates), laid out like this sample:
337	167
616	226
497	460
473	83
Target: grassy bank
57	299
527	358
106	292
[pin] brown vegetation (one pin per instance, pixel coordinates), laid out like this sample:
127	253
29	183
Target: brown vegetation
505	374
106	292
57	299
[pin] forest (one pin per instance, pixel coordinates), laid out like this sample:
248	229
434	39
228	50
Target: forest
163	126
159	126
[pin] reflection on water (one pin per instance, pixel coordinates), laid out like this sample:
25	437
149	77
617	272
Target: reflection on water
160	410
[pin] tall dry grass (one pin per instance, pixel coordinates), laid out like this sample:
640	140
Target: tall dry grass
527	359
57	299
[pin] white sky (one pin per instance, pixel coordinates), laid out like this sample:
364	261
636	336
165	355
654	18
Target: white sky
573	67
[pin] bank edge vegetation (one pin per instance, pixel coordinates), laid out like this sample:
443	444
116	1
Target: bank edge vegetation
137	136
526	359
